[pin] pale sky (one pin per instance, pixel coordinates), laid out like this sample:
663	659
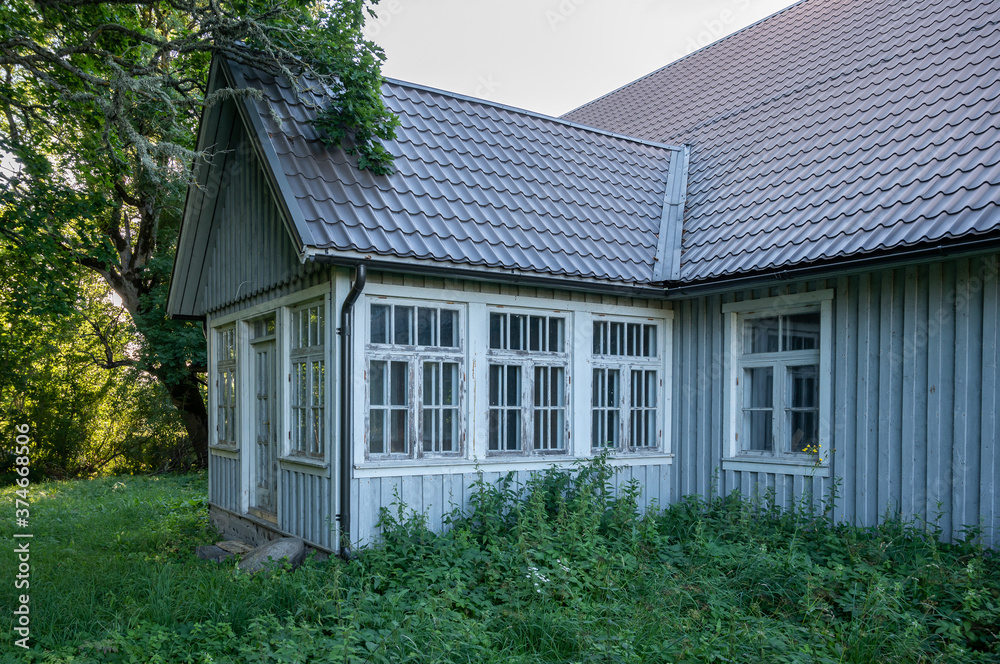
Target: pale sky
548	56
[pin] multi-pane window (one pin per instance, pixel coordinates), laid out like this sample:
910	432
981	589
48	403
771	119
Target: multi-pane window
414	355
308	381
778	373
528	363
225	385
625	386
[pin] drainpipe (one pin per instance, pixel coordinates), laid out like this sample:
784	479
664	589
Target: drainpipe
346	394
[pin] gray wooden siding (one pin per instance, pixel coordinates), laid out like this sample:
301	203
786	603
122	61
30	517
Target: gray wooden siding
249	251
224	481
305	506
915	375
436	496
439	284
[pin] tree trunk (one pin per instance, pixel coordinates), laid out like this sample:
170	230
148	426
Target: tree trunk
186	397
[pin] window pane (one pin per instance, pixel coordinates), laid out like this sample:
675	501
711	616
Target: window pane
649	340
432	383
497	323
517	332
449	384
535	333
761	335
397	384
449	328
801	331
758	424
430	432
496	383
397	441
449	429
402	322
803	386
556	334
759	387
804	431
377	383
512	439
494	425
758	399
376	425
600	331
380	324
802	404
426	327
513	386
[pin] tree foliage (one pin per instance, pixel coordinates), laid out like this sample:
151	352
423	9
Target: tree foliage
100	102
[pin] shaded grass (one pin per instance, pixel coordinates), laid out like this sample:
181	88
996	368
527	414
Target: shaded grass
555	571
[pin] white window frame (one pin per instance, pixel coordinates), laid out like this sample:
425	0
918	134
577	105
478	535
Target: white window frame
415	355
624	365
308	355
528	361
735	454
230	365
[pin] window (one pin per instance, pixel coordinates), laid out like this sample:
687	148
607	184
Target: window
225	386
626	386
527	383
308	381
414	356
779	399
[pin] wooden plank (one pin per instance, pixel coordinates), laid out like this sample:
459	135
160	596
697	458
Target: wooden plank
433	497
845	379
989	496
966	455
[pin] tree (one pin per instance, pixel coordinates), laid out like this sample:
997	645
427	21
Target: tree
100	103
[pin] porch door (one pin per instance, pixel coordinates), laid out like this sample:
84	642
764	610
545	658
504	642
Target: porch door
265	451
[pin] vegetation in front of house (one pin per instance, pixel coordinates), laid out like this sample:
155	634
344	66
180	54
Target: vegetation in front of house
555	571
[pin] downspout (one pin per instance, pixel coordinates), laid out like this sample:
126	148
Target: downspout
346	400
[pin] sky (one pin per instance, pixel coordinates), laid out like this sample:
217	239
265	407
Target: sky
548	56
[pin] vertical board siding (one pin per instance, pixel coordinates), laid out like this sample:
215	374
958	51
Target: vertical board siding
250	252
438	496
915	377
304	508
224	482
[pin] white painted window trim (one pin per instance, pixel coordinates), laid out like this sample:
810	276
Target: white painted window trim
476	331
217	365
625	365
308	355
734	457
415	356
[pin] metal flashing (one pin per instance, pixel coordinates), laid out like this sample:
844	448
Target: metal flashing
668	248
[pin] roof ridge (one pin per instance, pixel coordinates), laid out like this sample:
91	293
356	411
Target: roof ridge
535	114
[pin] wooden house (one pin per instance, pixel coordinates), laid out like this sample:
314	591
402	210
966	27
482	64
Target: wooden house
769	267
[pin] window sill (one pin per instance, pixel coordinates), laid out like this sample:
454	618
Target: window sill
304	462
776	465
228	451
496	464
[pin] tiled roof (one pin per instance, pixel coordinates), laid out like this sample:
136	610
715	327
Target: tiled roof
833	128
476	184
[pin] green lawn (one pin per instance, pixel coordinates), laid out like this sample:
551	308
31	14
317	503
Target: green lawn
553	572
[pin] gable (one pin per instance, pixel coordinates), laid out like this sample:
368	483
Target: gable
234	242
830	130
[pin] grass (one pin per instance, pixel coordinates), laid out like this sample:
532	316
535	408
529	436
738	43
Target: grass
556	571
